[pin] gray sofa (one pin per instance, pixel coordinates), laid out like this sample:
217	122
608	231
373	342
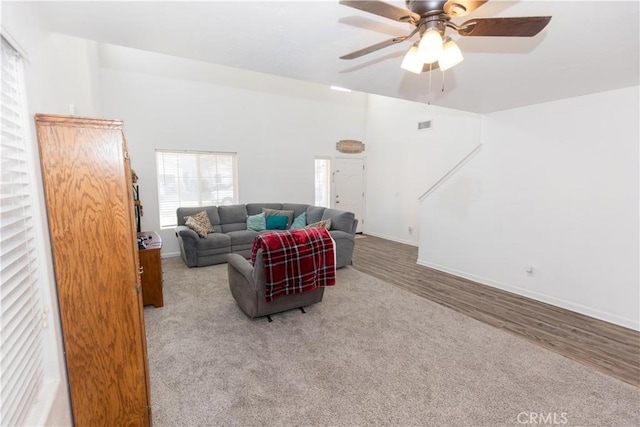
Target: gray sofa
232	236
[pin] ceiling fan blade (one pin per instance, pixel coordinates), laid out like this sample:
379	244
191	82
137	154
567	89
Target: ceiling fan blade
455	8
373	48
383	9
527	26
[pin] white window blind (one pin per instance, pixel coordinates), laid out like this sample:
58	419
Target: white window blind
323	182
21	362
190	178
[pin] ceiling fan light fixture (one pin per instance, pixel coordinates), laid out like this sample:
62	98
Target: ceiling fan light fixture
430	47
451	55
412	61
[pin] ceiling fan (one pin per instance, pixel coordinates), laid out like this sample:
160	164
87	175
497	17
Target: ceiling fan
431	18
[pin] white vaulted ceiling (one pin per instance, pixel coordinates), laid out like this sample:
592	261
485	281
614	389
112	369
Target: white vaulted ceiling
589	46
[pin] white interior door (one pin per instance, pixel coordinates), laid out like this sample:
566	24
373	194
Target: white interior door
348	178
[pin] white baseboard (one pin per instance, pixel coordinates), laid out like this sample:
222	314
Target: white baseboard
170	255
558	302
393	239
51	408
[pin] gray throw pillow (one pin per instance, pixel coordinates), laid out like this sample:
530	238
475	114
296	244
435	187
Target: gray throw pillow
273	212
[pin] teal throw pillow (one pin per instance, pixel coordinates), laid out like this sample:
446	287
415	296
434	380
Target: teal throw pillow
256	222
277	222
300	222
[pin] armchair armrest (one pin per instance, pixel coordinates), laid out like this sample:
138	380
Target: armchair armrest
242	285
240	270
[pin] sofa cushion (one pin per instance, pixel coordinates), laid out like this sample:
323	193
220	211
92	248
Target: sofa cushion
277	222
256	208
299	222
214	241
297	208
199	223
340	220
233	217
277	212
242	237
314	214
257	222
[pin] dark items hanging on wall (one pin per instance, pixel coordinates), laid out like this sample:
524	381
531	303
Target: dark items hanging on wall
137	206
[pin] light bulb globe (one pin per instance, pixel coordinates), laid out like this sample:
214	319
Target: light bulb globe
430	47
450	56
412	61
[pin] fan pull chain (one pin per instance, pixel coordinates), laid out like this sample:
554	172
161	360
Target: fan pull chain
443	82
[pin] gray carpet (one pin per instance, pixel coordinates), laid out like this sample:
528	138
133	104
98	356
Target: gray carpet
369	354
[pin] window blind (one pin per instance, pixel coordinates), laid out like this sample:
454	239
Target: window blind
191	178
21	371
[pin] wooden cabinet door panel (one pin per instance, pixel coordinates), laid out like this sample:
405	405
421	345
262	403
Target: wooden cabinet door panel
89	207
151	277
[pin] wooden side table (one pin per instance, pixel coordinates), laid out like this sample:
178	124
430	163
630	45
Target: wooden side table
151	269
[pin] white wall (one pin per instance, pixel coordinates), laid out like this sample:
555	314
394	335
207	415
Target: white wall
277	126
556	187
403	162
60	70
65	77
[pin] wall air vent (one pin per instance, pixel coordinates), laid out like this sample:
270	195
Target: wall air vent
424	125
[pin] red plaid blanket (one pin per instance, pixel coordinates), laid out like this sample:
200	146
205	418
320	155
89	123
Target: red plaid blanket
295	261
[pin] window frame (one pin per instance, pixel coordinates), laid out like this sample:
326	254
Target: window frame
327	180
165	206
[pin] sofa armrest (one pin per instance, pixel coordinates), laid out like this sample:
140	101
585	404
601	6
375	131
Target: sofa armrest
340	220
354	227
188	240
186	233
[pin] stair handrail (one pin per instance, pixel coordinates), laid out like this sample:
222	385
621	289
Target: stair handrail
453	170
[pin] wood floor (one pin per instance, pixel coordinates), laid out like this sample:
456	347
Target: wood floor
611	349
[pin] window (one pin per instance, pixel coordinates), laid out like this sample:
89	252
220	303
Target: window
191	178
323	182
21	335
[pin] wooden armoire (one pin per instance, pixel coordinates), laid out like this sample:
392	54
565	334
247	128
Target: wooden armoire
87	182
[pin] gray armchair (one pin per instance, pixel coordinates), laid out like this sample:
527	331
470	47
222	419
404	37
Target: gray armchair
248	288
